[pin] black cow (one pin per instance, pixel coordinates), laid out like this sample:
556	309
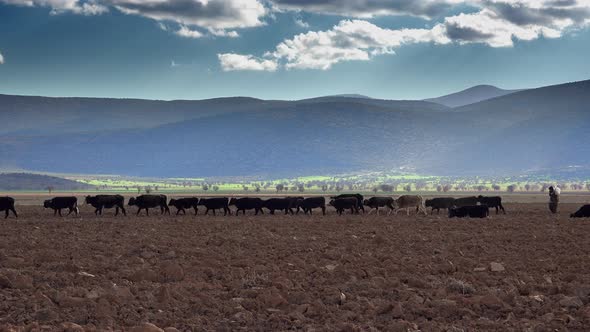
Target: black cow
100	202
60	203
215	204
282	204
182	204
440	203
492	202
377	202
313	203
295	203
247	203
465	201
342	204
472	211
150	201
7	204
583	212
359	198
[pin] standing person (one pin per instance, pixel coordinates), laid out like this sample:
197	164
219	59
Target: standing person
554	198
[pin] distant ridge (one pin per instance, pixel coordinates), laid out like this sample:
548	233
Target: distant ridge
471	96
29	181
352	95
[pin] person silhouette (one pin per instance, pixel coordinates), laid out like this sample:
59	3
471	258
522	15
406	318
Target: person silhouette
554	198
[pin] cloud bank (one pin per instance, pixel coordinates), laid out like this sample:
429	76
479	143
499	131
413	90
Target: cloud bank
499	23
496	23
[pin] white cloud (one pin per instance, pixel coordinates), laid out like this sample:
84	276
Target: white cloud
1	59
500	22
347	41
224	33
186	32
208	14
62	6
369	8
232	62
302	24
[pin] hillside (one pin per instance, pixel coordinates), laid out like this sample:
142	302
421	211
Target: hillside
535	129
470	96
27	181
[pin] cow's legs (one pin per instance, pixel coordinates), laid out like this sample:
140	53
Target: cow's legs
196	209
6	215
138	211
124	212
147	211
59	211
14	211
502	207
54	212
116	211
96	212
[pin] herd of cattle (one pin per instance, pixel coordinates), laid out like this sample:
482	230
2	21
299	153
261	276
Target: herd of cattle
472	207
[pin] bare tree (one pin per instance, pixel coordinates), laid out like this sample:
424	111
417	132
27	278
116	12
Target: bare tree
280	187
511	188
49	189
496	187
325	187
408	188
215	188
387	188
375	190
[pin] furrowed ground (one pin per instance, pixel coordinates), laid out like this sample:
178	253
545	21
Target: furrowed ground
355	272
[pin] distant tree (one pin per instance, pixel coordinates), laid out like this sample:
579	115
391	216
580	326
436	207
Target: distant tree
386	188
439	188
563	186
447	188
138	189
375	190
496	187
245	188
280	187
148	189
527	187
257	189
339	188
127	188
481	187
215	188
157	188
205	186
588	186
49	189
325	187
301	188
420	185
511	188
408	188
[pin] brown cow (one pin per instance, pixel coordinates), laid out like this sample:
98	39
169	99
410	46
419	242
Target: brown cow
408	202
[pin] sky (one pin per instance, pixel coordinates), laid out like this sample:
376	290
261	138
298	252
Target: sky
288	49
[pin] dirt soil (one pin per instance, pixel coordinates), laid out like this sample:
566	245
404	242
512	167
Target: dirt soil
525	271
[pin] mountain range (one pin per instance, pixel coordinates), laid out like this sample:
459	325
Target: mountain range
499	133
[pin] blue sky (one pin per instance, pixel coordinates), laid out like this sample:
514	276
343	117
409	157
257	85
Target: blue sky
288	49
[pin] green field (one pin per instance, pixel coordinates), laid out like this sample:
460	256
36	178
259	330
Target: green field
374	182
